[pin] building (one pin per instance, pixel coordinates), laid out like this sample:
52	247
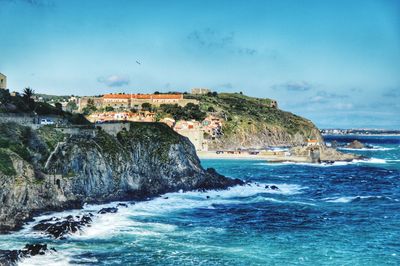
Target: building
194	132
200	91
274	104
169	121
134	101
312	142
212	125
82	102
102	117
3	81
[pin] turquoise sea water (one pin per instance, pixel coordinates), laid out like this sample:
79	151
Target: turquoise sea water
340	214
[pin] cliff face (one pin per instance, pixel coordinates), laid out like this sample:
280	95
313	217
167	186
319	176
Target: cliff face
147	160
259	134
250	122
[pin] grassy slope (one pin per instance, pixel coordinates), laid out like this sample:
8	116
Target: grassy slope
244	114
31	146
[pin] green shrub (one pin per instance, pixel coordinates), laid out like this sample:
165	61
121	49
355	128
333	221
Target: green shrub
6	166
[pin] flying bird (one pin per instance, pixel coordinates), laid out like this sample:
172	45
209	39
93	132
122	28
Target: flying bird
137	62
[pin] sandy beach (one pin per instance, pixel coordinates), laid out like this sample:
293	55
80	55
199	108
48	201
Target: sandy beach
247	156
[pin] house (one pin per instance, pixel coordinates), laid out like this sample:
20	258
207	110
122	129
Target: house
312	142
3	81
200	91
169	121
194	132
212	125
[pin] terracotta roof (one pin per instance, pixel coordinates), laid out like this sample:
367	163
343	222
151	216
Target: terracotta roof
117	96
143	96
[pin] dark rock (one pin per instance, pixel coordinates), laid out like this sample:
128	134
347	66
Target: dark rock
208	197
273	187
266	187
61	228
334	144
166	198
11	257
122	205
355	144
35	249
108	210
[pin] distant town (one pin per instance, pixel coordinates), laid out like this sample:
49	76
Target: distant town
359	132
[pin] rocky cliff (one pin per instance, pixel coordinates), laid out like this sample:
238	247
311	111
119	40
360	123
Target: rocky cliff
47	170
250	122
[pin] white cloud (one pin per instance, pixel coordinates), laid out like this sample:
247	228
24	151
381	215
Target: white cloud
114	81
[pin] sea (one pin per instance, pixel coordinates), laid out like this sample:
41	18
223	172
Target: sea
345	213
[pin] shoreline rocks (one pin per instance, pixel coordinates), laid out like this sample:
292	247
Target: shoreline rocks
58	228
11	257
148	160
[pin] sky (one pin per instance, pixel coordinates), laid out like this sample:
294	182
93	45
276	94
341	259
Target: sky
334	62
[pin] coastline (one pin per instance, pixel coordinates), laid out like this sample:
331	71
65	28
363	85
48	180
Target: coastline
246	156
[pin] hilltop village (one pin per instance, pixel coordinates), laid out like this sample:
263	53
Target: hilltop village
219	125
170	108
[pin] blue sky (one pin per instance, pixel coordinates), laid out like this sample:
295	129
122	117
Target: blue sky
334	62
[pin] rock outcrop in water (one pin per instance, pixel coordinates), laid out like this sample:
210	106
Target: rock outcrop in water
320	154
355	144
42	172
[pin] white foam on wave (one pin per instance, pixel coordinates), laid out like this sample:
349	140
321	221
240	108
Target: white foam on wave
348	199
371	160
115	223
261	199
124	223
50	258
338	163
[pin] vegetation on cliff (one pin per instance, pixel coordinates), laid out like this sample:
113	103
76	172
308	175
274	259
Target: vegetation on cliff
248	117
44	170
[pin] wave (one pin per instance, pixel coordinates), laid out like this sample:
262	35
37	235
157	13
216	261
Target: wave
348	199
262	199
371	160
50	258
162	205
338	163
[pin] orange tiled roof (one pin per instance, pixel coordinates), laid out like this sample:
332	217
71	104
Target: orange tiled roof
143	96
117	96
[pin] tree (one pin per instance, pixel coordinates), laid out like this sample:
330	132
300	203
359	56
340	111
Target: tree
156	92
211	109
109	109
89	108
28	93
58	106
27	98
71	106
146	106
5	96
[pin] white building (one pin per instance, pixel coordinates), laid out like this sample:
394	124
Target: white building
3	81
